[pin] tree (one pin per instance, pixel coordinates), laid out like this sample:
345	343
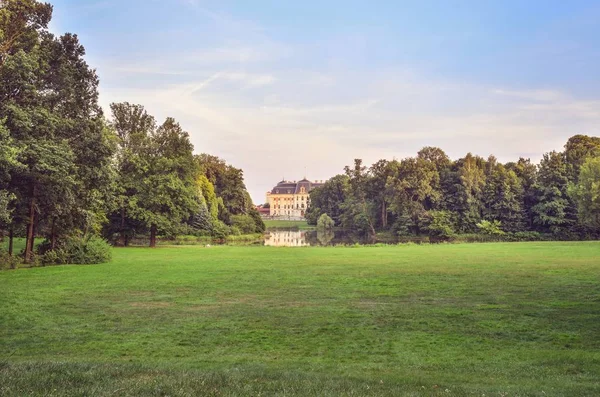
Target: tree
577	149
586	193
440	225
48	101
414	187
133	127
493	228
167	194
463	192
230	189
8	163
21	22
325	222
359	211
329	198
436	156
503	197
376	187
526	171
552	212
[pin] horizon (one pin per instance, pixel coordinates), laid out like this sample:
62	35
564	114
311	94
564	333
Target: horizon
256	84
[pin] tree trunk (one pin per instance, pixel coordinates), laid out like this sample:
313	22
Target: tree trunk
30	227
153	236
10	240
373	232
383	215
53	235
122	238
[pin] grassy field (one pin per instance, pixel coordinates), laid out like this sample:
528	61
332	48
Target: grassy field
282	224
471	319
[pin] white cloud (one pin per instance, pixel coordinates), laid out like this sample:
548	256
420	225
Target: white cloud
245	99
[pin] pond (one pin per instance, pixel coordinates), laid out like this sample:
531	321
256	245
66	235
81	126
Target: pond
305	238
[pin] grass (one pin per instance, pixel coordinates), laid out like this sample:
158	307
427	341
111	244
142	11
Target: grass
283	224
470	319
18	244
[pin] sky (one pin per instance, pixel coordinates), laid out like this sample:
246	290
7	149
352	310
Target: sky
288	89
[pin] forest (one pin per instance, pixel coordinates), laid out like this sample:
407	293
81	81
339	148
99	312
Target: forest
72	176
429	194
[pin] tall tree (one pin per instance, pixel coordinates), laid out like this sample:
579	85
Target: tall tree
586	194
415	190
359	209
526	171
230	188
503	197
577	149
377	187
133	127
329	199
463	192
49	104
552	210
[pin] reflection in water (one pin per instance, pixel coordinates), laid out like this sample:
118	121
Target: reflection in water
305	238
286	238
325	236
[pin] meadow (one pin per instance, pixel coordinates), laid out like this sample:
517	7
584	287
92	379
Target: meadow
284	224
498	319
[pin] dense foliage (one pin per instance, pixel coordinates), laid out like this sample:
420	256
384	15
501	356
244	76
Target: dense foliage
430	194
66	171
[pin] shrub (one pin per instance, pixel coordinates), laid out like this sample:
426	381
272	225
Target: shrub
325	222
260	226
526	236
7	261
221	230
440	225
245	223
491	227
81	251
53	257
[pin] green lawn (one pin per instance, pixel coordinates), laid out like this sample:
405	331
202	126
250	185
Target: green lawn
468	319
283	224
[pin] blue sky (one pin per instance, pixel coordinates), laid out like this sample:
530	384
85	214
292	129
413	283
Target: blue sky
277	87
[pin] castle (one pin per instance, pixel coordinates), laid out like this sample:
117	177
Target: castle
291	199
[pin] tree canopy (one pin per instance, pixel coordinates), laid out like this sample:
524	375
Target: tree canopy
430	194
65	170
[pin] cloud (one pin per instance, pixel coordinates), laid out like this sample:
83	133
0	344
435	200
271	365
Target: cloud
271	109
534	95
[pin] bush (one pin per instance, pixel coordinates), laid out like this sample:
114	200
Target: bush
53	257
491	227
221	230
325	222
83	251
7	261
526	236
440	225
245	223
260	225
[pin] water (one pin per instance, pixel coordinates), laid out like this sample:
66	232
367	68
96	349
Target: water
305	238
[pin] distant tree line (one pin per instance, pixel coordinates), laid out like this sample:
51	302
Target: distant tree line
432	195
65	170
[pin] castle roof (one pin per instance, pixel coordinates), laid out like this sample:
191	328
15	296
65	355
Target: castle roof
287	187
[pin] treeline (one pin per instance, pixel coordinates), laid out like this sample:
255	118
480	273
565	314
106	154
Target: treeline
66	172
431	195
